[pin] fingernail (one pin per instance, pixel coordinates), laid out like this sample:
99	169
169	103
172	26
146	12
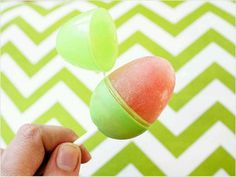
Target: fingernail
86	151
67	157
89	155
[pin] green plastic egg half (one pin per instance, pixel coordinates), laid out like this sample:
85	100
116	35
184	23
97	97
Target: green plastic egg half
112	116
89	40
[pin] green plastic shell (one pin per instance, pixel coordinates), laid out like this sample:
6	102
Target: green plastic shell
89	40
110	116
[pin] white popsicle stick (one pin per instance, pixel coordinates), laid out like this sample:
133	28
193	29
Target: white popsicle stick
83	138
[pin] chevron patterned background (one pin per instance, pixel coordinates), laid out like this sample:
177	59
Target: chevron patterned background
195	135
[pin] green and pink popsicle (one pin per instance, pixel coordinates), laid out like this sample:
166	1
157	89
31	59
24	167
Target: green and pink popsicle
131	98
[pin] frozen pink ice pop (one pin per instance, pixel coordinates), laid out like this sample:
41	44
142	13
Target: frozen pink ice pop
146	85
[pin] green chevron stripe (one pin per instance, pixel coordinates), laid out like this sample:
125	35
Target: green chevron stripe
39	9
213	72
219	159
131	154
6	132
137	38
183	141
38	37
207	7
63	117
56	111
173	29
173	3
63	76
182	58
44	11
95	140
177	102
4	10
177	28
106	5
29	68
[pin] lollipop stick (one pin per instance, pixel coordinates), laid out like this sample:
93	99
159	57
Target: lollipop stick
84	138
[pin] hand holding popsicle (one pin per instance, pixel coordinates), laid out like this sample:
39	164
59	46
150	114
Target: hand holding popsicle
43	150
123	105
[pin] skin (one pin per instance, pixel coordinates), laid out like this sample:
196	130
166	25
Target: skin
43	150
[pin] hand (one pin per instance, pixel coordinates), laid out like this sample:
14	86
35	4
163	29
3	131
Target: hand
43	150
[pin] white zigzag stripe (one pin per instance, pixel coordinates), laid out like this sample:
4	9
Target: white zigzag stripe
40	23
175	122
170	43
29	49
221	172
218	135
184	9
6	5
54	122
130	170
48	4
228	6
85	75
215	92
22	81
176	44
200	62
102	154
173	15
27	85
3	144
60	93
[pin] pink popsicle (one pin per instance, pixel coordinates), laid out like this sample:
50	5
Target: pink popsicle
146	85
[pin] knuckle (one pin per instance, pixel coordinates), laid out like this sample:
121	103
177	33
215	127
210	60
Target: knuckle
29	131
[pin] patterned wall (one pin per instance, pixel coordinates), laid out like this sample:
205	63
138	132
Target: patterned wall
195	135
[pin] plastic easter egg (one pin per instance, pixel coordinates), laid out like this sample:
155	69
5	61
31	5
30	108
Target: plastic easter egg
89	40
129	100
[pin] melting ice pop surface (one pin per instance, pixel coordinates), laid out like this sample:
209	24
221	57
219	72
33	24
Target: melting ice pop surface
146	85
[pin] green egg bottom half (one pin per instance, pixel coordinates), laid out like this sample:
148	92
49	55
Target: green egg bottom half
112	115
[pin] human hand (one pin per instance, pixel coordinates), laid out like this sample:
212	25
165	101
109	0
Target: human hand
43	150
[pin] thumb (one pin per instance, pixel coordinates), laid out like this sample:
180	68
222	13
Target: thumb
64	161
